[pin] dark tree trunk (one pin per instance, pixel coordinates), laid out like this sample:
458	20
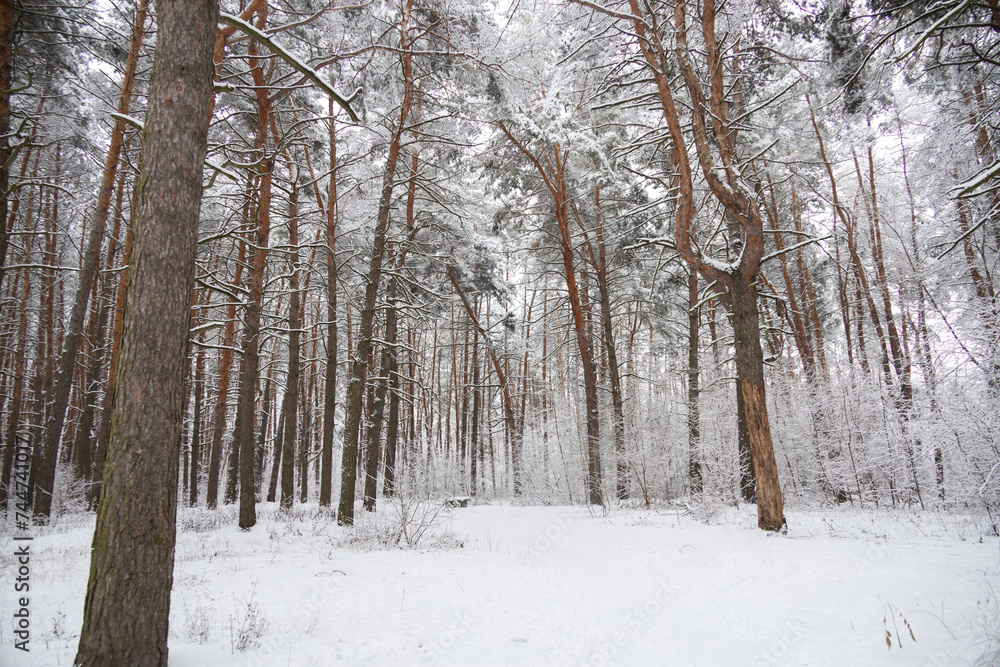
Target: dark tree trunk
694	387
595	492
291	403
474	448
305	441
330	381
233	460
748	476
392	424
127	605
224	367
241	460
45	349
373	448
245	432
14	418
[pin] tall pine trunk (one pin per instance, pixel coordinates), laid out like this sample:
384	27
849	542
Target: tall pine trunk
291	402
330	380
127	605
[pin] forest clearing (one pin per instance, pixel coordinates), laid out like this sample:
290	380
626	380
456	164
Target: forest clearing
558	585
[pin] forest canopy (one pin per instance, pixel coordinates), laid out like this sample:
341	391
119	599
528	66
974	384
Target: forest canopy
588	251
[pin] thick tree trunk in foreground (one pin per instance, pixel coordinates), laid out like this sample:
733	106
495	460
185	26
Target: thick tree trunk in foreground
127	605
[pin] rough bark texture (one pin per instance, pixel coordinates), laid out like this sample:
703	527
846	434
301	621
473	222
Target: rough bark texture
750	374
127	604
748	475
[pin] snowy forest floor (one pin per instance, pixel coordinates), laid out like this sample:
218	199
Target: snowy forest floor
515	585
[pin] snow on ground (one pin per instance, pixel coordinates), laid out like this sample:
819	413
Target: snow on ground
549	586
